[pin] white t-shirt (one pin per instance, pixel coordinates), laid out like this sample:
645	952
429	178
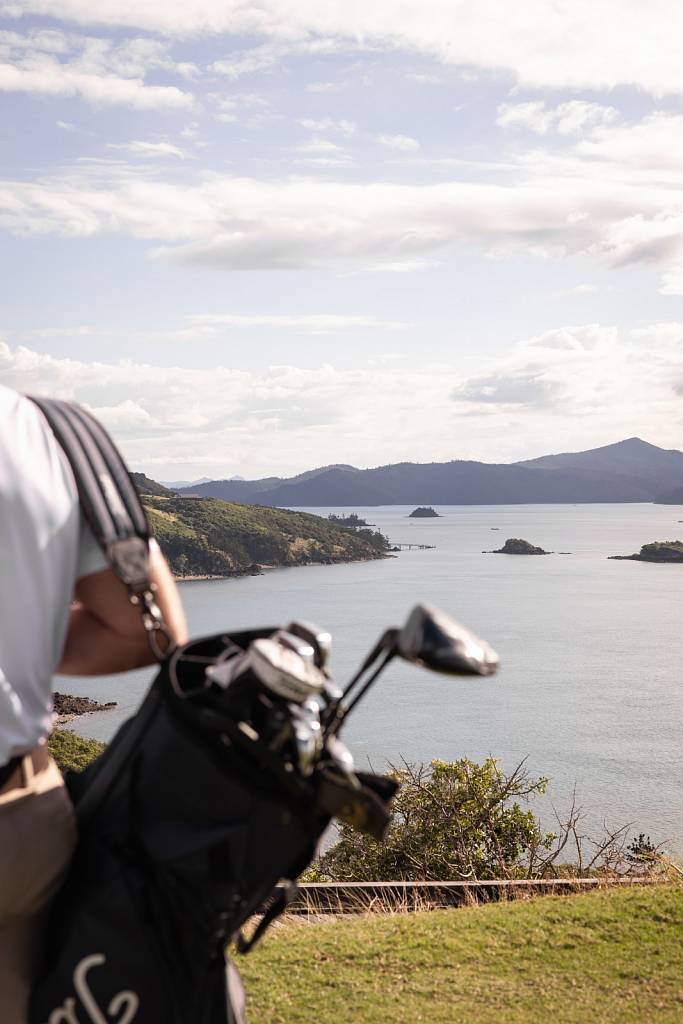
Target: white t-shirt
45	546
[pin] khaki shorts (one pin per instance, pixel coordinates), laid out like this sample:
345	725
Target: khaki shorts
37	839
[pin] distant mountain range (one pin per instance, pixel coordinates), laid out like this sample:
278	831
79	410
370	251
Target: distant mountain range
174	485
628	471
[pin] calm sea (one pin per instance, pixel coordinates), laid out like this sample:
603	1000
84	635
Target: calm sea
590	688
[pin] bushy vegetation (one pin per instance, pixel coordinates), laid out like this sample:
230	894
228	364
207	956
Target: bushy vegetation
208	536
463	820
450	821
662	551
72	752
352	521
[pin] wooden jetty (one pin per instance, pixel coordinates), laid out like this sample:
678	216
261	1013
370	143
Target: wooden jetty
413	547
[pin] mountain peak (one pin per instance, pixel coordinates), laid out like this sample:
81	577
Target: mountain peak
633	442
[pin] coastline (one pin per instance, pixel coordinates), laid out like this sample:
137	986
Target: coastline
261	569
67	707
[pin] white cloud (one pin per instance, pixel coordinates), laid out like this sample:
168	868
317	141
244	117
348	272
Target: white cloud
322	87
326	161
529	386
307	321
578	203
579	45
612	384
270	55
531	115
569	118
401	267
53	79
249	108
284	415
319	146
422	78
403	142
249	61
329	124
587	338
581	289
149	149
97	70
125	417
578	116
654	145
672	282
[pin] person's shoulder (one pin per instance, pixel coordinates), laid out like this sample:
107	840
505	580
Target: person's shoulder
10	401
15	406
23	427
30	454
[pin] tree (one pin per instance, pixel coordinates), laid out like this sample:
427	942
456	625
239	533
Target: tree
458	820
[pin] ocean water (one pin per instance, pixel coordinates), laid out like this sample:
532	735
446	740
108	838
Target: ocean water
590	689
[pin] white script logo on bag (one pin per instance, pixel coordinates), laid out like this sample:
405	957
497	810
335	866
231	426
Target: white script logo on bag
129	1002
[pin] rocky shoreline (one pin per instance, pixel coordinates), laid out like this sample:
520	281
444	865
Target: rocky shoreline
67	707
260	568
658	551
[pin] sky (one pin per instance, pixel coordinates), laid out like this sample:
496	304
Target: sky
255	238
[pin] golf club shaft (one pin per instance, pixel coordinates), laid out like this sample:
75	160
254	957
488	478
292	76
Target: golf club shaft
343	712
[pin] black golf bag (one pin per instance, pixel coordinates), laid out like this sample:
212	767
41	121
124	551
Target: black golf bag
191	817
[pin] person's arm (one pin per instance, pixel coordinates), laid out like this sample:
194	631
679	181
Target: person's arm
105	631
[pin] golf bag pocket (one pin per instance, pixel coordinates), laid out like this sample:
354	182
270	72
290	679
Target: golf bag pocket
134	940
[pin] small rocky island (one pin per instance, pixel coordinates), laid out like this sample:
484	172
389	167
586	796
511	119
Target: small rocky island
516	546
658	551
422	512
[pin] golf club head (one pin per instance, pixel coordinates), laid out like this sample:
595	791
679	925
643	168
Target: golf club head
435	640
319	639
303	647
283	671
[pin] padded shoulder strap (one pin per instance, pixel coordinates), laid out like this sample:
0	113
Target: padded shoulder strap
108	497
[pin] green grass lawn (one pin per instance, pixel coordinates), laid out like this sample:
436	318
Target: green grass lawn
597	958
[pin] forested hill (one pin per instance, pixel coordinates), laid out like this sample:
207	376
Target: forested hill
145	485
630	470
210	537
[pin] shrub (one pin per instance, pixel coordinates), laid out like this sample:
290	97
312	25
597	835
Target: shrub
467	821
451	821
72	752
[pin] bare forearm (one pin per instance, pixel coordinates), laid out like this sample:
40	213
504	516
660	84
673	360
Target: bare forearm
93	649
105	631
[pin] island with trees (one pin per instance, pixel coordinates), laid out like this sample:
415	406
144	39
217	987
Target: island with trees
351	522
205	538
657	551
424	512
517	546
